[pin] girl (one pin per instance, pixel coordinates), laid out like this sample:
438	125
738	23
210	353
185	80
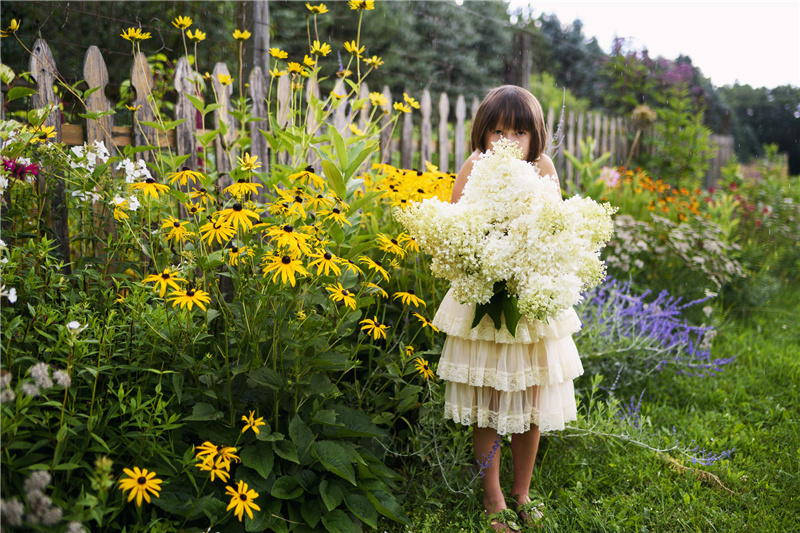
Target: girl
495	382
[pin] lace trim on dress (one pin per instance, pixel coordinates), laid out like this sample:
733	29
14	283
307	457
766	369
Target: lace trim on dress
549	176
504	381
507	423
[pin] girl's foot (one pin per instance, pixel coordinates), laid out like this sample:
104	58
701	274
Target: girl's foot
504	520
530	511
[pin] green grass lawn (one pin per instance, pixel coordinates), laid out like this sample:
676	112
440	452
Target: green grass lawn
604	483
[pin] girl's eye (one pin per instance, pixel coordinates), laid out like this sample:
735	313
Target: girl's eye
521	132
498	132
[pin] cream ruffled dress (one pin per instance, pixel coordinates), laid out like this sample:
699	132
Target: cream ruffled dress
508	382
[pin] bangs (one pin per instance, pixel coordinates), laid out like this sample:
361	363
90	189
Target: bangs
512	113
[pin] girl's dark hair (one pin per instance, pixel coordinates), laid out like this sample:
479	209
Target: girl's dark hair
509	106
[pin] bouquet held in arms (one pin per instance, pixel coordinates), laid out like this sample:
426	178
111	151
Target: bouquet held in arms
510	244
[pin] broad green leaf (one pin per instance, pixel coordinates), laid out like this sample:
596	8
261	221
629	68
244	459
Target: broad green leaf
337	521
311	512
337	233
90	92
365	200
356	423
300	435
6	74
211	107
331	494
130	150
335	459
286	488
388	506
267	377
19	92
258	522
196	102
360	506
271	139
203	411
325	417
286	449
259	457
338	144
359	159
335	176
207	137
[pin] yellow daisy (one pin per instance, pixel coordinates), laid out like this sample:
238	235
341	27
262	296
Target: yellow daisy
423	368
340	294
241	35
409	298
163	280
182	22
220	230
140	483
320	49
190	297
285	267
325	263
242	500
426	323
317	10
184	176
252	423
374	328
237	215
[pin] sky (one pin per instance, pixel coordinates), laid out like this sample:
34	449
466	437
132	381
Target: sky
755	43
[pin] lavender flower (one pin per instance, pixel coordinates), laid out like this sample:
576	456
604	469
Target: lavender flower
488	459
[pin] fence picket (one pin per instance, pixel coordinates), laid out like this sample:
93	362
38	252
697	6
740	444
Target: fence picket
460	148
96	75
386	130
444	134
222	115
185	141
425	129
142	81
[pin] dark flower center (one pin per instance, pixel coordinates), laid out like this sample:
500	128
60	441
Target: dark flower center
149	180
193	210
327	256
202	190
190	293
234	250
425	367
420	191
391	187
298	199
286	259
394	241
402	201
164	276
237	207
334	210
176	224
285	205
243	497
411	292
378	262
309	168
288	229
320	196
141	480
242	181
419	173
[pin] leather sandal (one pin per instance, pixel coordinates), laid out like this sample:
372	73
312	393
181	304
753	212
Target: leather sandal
530	512
505	518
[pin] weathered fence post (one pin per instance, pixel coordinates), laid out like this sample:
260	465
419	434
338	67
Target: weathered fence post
185	141
42	67
444	133
258	95
425	130
142	81
386	131
222	115
96	75
460	148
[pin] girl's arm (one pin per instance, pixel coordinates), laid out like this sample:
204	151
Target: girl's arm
463	176
546	166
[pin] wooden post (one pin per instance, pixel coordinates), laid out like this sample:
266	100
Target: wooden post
185	141
460	147
142	81
284	101
551	120
570	147
386	129
257	92
598	133
425	130
312	124
340	113
444	133
475	105
96	75
612	141
363	113
223	144
407	142
43	67
258	46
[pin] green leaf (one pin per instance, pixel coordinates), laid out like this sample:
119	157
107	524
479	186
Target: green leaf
196	102
210	108
301	435
331	494
360	506
311	512
6	74
337	521
494	308
202	412
337	233
338	144
130	150
286	488
286	449
388	506
258	522
259	457
358	160
266	377
19	92
206	137
335	176
325	417
511	312
90	92
356	424
335	459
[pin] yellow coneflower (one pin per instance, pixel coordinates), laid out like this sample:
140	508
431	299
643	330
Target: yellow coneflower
353	48
193	209
201	193
409	298
209	451
374	288
241	35
219	229
423	368
375	265
340	294
319	201
177	229
378	100
320	49
182	22
215	468
238	215
140	483
408	242
334	214
184	176
426	323
277	53
410	351
150	187
361	5
401	107
410	101
134	34
251	422
236	254
248	162
224	79
352	267
325	263
242	187
197	36
277	73
374	61
286	237
390	244
284	266
163	280
317	10
242	500
374	328
190	297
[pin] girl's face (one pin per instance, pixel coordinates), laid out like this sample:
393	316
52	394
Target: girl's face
521	137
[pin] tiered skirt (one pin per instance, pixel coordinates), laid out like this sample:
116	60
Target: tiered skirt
507	382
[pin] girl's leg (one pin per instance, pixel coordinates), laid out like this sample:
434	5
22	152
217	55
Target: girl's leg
488	456
523	452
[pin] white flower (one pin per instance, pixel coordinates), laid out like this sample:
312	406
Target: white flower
3	184
40	373
74	325
62	378
11	294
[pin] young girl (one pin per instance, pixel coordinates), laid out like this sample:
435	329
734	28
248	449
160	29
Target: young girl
495	382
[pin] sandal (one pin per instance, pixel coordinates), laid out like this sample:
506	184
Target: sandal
505	518
530	512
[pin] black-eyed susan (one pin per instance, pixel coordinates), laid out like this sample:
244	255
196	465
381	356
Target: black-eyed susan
150	187
242	500
201	193
237	215
350	266
133	108
251	422
278	208
294	202
241	35
409	298
377	99
337	96
277	53
284	266
374	61
235	254
176	230
182	22
423	368
375	265
224	79
309	62
361	5
353	48
410	101
390	244
426	323
317	10
183	176
242	187
334	214
189	298
43	133
401	107
294	67
277	73
340	294
410	351
373	327
374	288
209	451
287	237
197	36
408	242
344	72
218	229
325	262
319	201
139	484
162	280
248	162
320	49
134	34
194	209
216	468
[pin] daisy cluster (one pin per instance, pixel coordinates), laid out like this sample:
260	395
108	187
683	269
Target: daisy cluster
511	226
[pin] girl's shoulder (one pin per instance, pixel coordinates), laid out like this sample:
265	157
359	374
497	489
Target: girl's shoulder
545	166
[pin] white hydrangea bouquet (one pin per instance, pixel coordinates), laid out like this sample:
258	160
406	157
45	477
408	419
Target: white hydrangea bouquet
511	245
